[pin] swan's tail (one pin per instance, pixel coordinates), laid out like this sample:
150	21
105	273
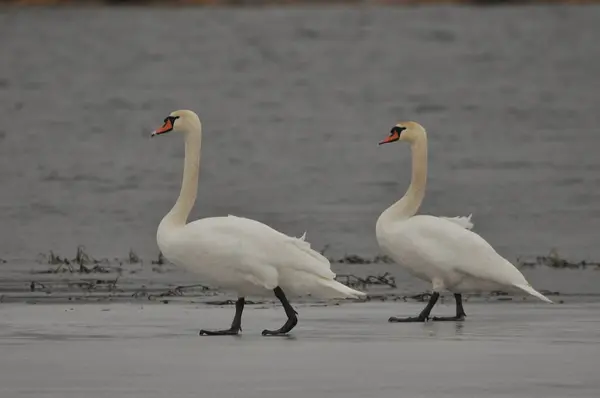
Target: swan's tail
533	292
334	289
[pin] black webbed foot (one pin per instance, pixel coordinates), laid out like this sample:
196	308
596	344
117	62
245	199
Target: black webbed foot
225	332
284	330
394	319
236	325
458	318
460	312
423	316
289	311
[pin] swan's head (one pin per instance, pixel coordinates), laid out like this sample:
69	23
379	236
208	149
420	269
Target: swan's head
405	131
179	121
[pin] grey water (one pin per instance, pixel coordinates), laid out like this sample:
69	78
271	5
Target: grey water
293	102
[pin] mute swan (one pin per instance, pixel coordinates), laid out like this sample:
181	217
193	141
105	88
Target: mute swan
440	250
237	253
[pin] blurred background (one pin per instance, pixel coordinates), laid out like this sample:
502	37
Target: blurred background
294	99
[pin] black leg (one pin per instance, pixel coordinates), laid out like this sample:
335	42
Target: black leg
289	311
460	312
422	317
236	325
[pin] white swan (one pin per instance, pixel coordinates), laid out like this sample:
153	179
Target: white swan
236	253
440	250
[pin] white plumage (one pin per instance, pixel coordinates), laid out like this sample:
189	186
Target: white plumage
235	253
441	250
250	258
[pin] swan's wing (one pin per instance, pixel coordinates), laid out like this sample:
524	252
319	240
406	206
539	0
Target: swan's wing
281	250
229	250
301	268
449	247
464	222
251	246
476	258
221	256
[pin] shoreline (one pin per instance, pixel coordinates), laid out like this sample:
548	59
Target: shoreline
84	279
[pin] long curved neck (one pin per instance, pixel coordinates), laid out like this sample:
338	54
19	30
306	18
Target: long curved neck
412	199
189	187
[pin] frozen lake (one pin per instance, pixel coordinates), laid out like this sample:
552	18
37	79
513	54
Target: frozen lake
504	349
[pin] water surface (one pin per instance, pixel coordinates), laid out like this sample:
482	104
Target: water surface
293	102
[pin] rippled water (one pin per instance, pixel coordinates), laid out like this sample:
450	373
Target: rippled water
293	103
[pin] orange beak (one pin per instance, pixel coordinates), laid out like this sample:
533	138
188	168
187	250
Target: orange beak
391	138
165	128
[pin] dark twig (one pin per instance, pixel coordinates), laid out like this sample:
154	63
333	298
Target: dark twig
133	257
161	259
356	281
33	284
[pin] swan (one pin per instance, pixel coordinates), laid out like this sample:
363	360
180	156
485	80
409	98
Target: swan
440	250
235	253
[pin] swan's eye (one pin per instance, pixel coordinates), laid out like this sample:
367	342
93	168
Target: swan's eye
397	130
171	119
